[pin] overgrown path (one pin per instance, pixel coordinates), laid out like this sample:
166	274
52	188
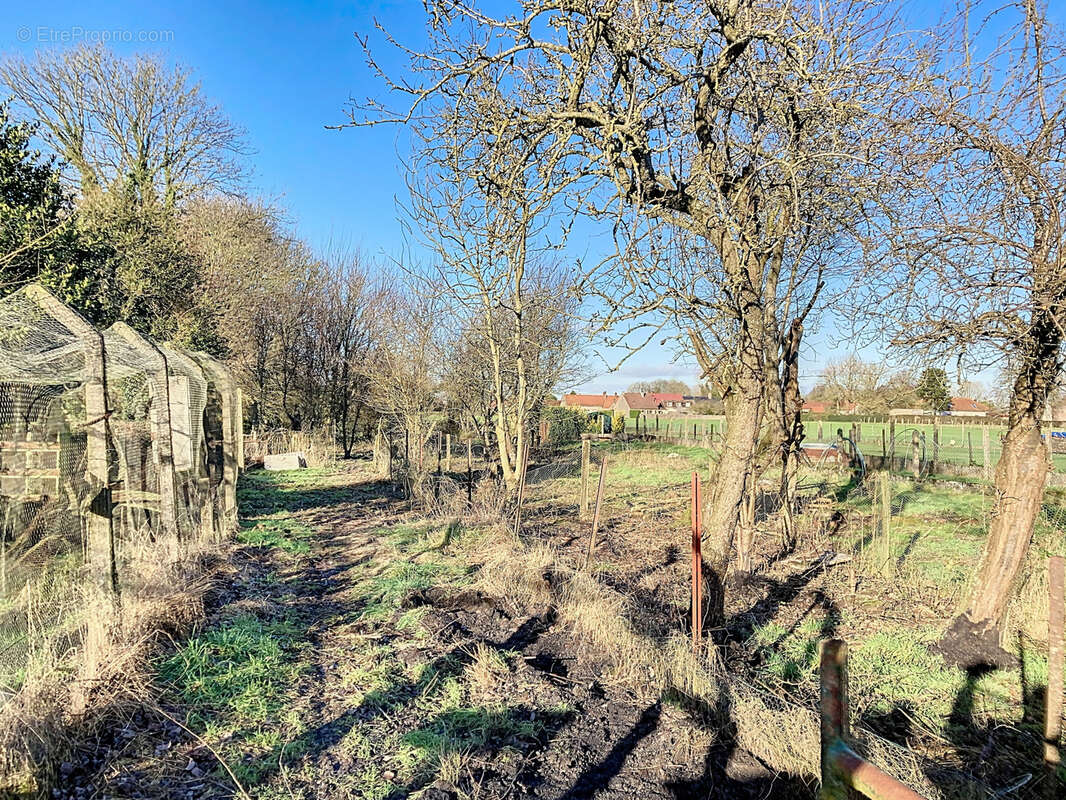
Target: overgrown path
350	650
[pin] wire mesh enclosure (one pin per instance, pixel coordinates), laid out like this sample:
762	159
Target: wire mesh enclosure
104	465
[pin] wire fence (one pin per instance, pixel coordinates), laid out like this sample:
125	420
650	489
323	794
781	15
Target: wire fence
118	459
964	446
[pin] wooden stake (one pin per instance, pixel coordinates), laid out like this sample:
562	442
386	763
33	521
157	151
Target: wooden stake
916	464
986	453
469	473
448	453
1053	718
697	566
596	515
521	489
585	459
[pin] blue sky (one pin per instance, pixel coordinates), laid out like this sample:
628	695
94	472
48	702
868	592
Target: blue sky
284	71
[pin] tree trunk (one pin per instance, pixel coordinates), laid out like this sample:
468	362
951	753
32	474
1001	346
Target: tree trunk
731	477
1020	477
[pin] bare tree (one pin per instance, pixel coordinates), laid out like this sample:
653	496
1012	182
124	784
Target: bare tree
975	250
135	122
483	191
736	129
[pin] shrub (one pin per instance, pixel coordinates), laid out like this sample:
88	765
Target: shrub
564	424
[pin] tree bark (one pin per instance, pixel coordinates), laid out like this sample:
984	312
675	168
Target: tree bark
732	476
1020	478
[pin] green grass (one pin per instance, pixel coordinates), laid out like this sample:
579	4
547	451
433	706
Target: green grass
239	681
383	594
282	532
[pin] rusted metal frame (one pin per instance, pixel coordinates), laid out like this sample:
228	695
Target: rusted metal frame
842	767
697	565
596	514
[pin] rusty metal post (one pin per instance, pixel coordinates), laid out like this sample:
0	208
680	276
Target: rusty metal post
1053	719
842	767
834	716
697	566
596	515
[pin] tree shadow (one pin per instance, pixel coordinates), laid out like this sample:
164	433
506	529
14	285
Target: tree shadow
729	772
595	778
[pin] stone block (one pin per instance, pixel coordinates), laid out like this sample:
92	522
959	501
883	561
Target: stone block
280	461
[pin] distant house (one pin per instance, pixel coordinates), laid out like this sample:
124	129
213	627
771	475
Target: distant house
909	412
552	401
967	407
670	401
815	408
1055	412
641	402
590	402
848	408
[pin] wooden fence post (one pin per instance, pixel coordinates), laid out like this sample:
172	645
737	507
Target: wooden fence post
986	453
100	524
935	461
596	515
1053	718
821	432
916	464
884	449
892	442
886	524
448	453
586	448
697	565
524	462
469	473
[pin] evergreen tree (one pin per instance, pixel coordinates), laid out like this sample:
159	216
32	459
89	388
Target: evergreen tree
933	389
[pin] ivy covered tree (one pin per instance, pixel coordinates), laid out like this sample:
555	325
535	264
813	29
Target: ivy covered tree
933	389
39	240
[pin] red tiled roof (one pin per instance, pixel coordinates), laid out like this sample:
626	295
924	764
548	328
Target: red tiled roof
815	408
589	400
639	401
667	397
967	404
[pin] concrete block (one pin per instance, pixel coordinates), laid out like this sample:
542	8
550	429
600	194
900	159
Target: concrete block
280	461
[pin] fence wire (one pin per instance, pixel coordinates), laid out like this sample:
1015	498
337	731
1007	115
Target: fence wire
104	470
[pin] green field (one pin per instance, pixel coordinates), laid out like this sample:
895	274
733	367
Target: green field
960	442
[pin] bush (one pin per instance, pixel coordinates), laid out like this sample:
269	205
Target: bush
618	422
564	424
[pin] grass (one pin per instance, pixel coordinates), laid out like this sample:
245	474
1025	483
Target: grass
239	681
282	532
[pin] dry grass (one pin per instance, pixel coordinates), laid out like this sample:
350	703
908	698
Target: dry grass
782	734
88	654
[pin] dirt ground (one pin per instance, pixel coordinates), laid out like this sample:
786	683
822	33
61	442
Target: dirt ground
372	679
